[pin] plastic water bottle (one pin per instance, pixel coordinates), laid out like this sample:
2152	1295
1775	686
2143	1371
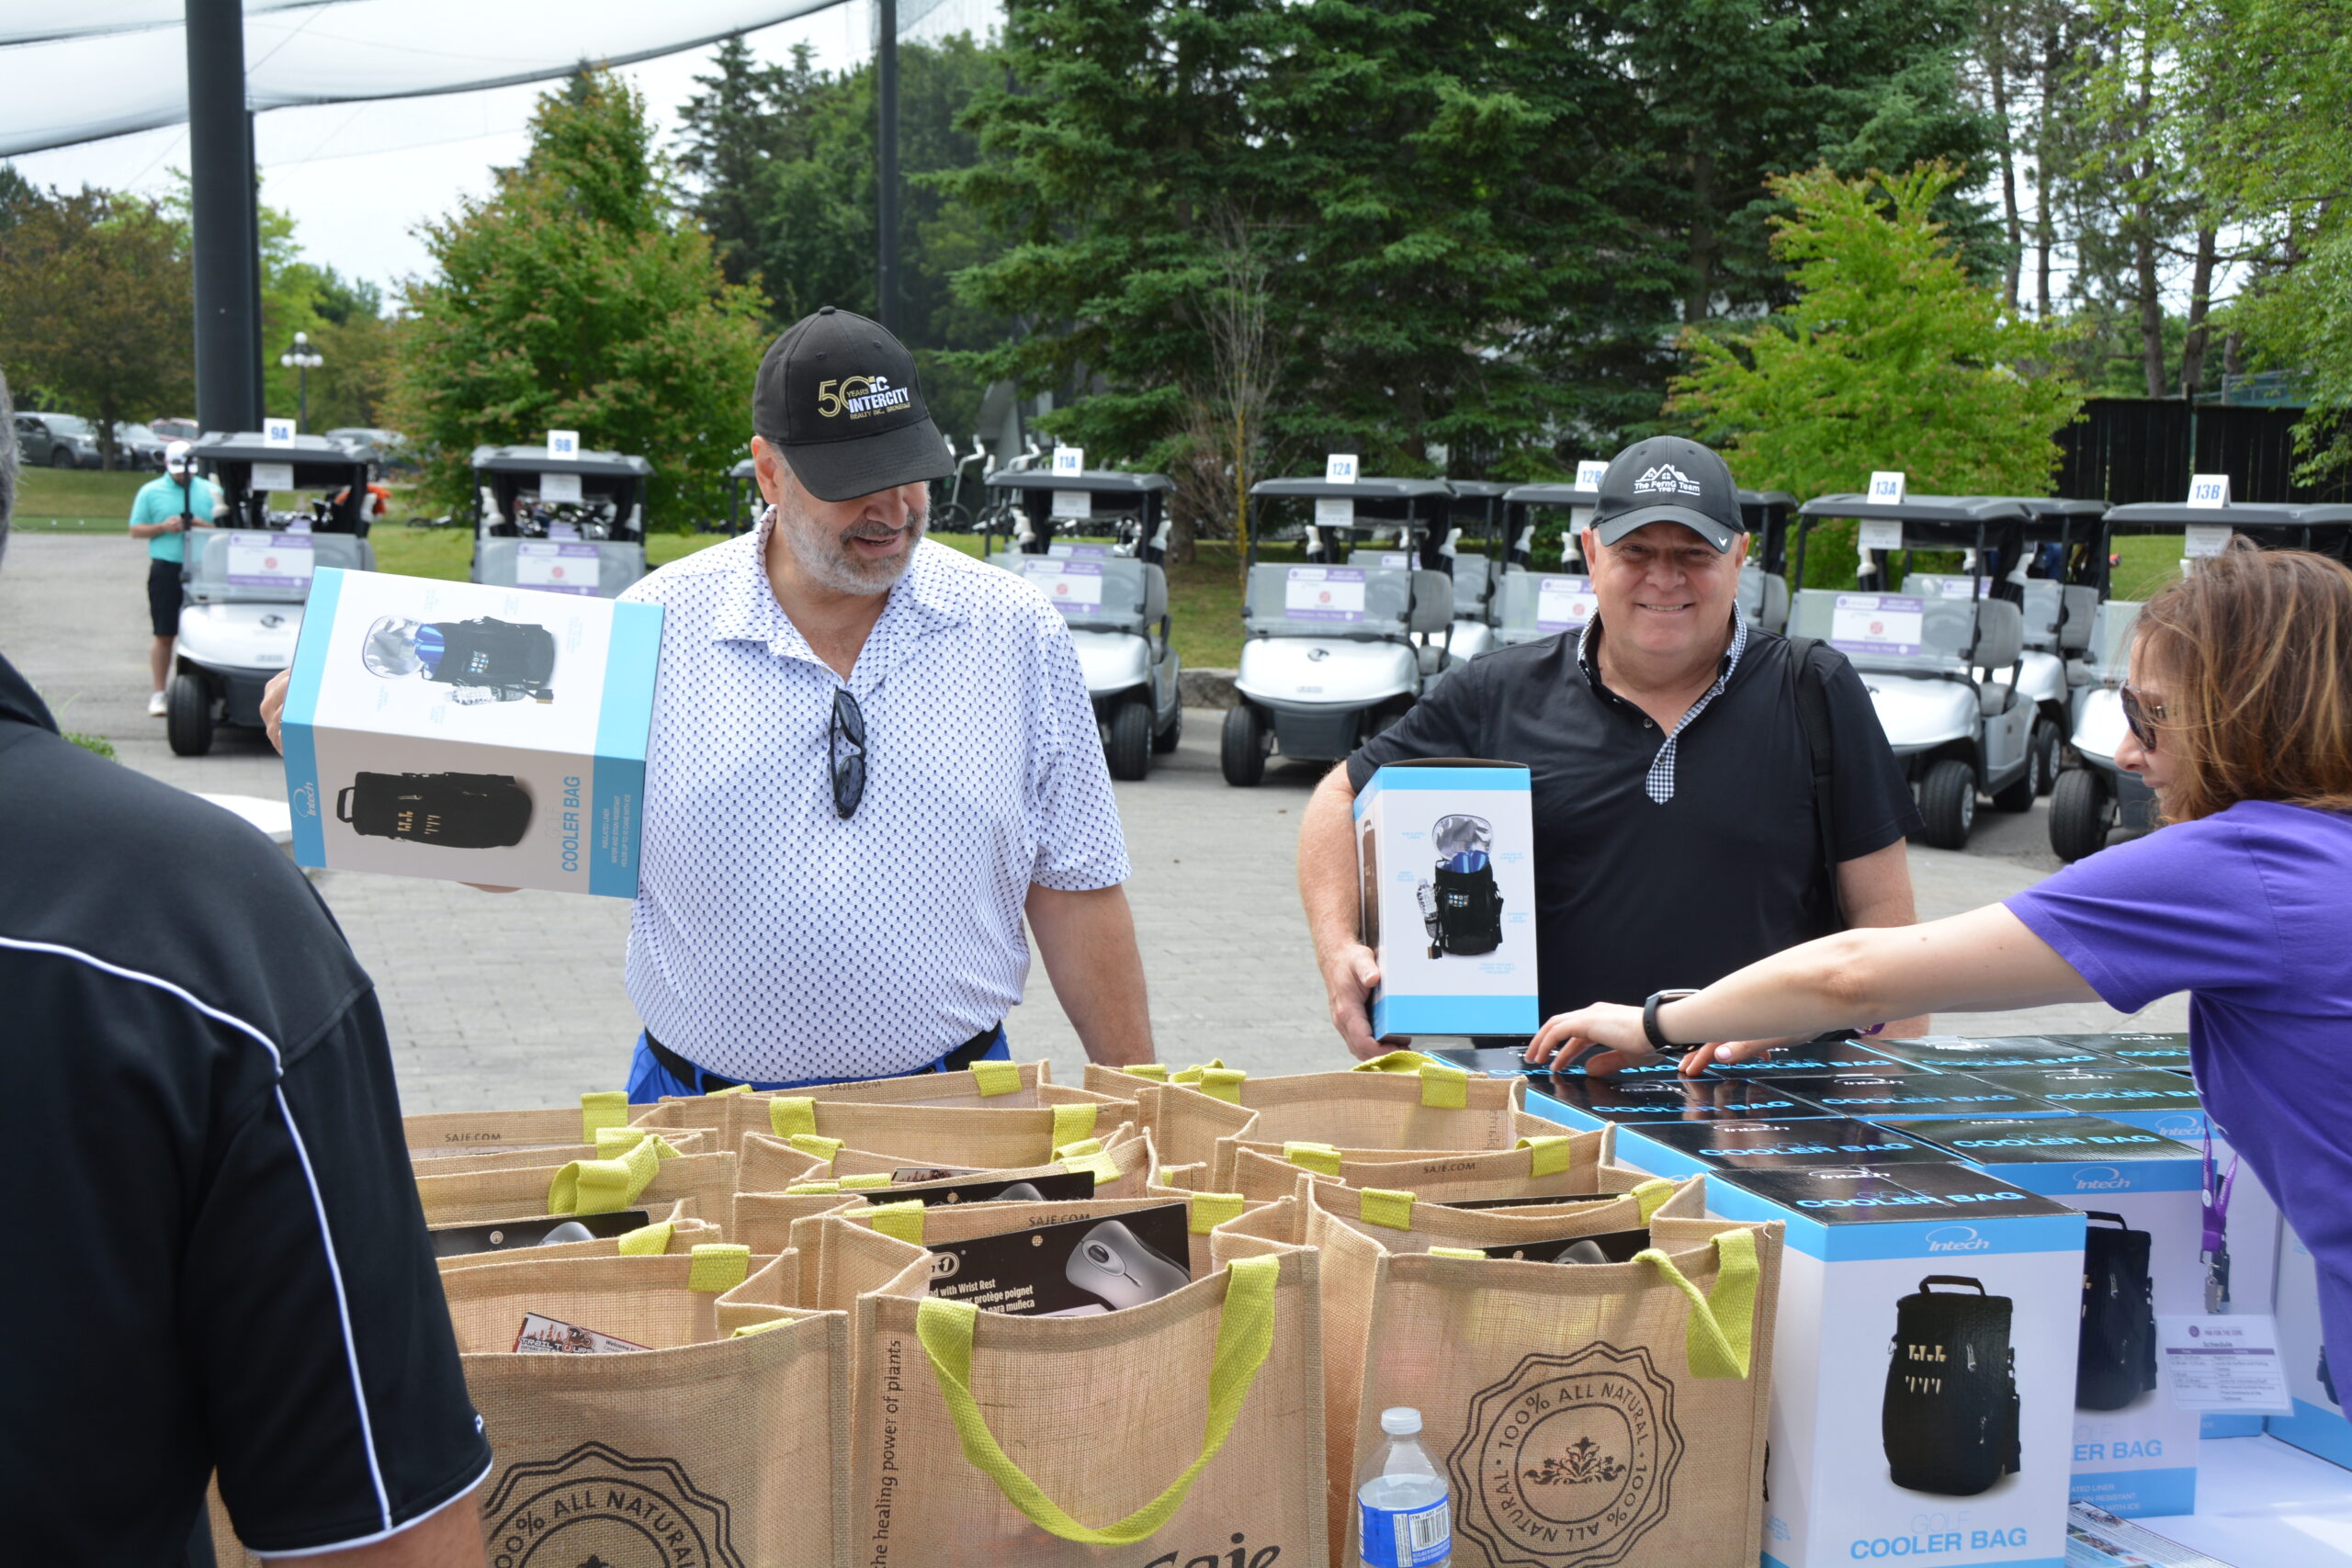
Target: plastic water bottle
1404	1509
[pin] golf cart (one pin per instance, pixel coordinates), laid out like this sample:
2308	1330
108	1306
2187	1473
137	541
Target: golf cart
1529	603
1335	651
1476	517
1115	595
247	578
1931	664
2094	795
1764	575
560	524
744	501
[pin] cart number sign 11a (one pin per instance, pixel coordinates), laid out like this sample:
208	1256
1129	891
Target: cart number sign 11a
1073	503
1324	594
558	568
281	561
1070	459
1074	586
1877	622
560	487
1564	603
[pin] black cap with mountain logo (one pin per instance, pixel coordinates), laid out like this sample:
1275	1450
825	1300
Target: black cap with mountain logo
1670	479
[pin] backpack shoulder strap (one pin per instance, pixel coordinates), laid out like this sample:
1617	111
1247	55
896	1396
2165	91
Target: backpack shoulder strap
1813	713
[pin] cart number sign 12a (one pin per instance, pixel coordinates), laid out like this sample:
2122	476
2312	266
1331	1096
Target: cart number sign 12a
1324	594
1075	505
1074	586
1340	468
557	568
1564	603
1877	623
281	561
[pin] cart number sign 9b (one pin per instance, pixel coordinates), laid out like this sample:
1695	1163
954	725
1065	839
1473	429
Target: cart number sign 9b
281	561
1074	586
557	568
1323	593
1564	603
1877	622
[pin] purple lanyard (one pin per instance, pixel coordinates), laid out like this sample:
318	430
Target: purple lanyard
2217	1198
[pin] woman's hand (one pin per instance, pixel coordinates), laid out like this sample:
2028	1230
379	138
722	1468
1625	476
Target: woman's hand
1566	1036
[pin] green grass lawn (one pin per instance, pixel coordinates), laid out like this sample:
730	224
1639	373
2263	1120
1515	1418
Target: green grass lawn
76	500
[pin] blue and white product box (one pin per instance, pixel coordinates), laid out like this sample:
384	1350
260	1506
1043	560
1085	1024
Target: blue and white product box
1923	1365
2145	1096
471	733
1593	1101
2134	1050
1967	1054
2313	1377
1888	1097
1689	1148
2134	1451
1445	855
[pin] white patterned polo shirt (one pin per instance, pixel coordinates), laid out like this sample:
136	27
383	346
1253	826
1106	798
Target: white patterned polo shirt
773	941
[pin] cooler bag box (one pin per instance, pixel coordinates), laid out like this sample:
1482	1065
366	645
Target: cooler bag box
1830	1054
1887	1097
1691	1148
2318	1424
2162	1103
1970	1054
471	733
1590	1101
2134	1050
1445	855
2136	1451
1922	1364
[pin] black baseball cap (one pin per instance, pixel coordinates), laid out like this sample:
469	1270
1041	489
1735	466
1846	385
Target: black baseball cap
837	395
1670	479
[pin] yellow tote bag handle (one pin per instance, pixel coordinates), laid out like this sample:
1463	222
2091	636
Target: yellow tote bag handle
607	1108
1155	1071
1651	1196
601	1186
1245	1333
1215	1079
1720	1334
1444	1086
1547	1154
992	1078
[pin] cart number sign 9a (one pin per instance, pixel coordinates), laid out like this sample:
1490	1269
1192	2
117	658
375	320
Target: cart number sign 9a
1075	505
1323	593
281	561
1877	622
1074	586
557	568
1564	603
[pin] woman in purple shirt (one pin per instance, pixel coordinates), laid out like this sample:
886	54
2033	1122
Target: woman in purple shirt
2240	708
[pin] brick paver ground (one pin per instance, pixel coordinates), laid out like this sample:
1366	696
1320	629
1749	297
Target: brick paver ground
516	999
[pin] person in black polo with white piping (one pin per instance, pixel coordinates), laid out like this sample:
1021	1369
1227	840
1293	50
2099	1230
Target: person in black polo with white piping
1678	836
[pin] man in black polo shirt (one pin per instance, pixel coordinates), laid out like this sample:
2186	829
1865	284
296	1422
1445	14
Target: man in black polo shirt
216	1259
1675	835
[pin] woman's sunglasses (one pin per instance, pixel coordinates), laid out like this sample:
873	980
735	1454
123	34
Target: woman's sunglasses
2142	716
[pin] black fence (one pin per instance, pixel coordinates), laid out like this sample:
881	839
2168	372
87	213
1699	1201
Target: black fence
2127	449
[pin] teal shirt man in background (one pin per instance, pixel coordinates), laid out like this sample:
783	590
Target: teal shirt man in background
166	506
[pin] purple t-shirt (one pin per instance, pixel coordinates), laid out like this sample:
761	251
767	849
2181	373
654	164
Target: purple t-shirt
2250	912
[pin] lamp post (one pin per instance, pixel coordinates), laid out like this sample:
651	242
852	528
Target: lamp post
304	359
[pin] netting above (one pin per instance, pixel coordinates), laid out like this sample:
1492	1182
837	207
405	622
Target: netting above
109	67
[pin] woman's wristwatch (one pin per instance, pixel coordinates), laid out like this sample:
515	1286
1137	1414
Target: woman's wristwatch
1659	1042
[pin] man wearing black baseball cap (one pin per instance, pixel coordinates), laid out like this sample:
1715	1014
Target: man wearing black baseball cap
1677	837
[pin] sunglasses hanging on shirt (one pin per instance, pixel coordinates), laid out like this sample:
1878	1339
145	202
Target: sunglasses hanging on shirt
846	745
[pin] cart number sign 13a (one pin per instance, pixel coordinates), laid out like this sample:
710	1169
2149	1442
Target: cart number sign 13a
1877	622
557	568
281	561
1887	486
1564	603
1324	594
1074	586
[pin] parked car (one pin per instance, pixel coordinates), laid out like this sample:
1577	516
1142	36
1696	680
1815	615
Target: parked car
139	447
390	444
57	440
176	429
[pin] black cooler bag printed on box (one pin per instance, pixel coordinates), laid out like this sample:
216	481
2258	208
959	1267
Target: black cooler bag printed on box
1950	1419
458	811
1461	906
481	661
2116	1360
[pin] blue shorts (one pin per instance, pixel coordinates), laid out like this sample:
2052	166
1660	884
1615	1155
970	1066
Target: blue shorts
649	1081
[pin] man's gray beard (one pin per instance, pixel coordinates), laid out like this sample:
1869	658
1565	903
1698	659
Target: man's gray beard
823	557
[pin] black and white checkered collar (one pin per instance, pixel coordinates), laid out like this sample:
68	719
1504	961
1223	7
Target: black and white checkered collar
1660	784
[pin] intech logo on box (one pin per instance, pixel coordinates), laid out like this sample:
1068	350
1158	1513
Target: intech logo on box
2100	1179
1956	1238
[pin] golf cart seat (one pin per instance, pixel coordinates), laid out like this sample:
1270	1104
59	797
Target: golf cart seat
2045	628
1764	598
250	566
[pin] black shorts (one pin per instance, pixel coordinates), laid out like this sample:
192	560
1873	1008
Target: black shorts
163	596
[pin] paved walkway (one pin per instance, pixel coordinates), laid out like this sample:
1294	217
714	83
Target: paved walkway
516	999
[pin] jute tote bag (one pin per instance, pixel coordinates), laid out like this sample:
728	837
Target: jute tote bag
975	1136
610	1143
472	1132
640	1179
1573	1165
719	1445
1585	1414
1184	1430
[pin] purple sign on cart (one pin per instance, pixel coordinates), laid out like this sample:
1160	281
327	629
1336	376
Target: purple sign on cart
556	568
281	561
1323	593
1886	624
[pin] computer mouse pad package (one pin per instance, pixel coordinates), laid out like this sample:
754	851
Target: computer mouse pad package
1078	1267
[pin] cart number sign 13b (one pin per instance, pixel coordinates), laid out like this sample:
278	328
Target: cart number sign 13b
1074	586
557	568
1324	594
281	561
1877	622
2209	490
1564	603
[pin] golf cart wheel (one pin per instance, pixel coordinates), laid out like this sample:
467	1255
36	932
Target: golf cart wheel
1129	752
1241	750
2082	810
1165	742
1948	800
2042	750
188	715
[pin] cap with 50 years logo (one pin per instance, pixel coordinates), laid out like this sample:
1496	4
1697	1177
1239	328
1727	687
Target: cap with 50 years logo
838	396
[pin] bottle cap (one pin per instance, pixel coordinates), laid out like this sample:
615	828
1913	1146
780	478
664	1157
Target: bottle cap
1401	1421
